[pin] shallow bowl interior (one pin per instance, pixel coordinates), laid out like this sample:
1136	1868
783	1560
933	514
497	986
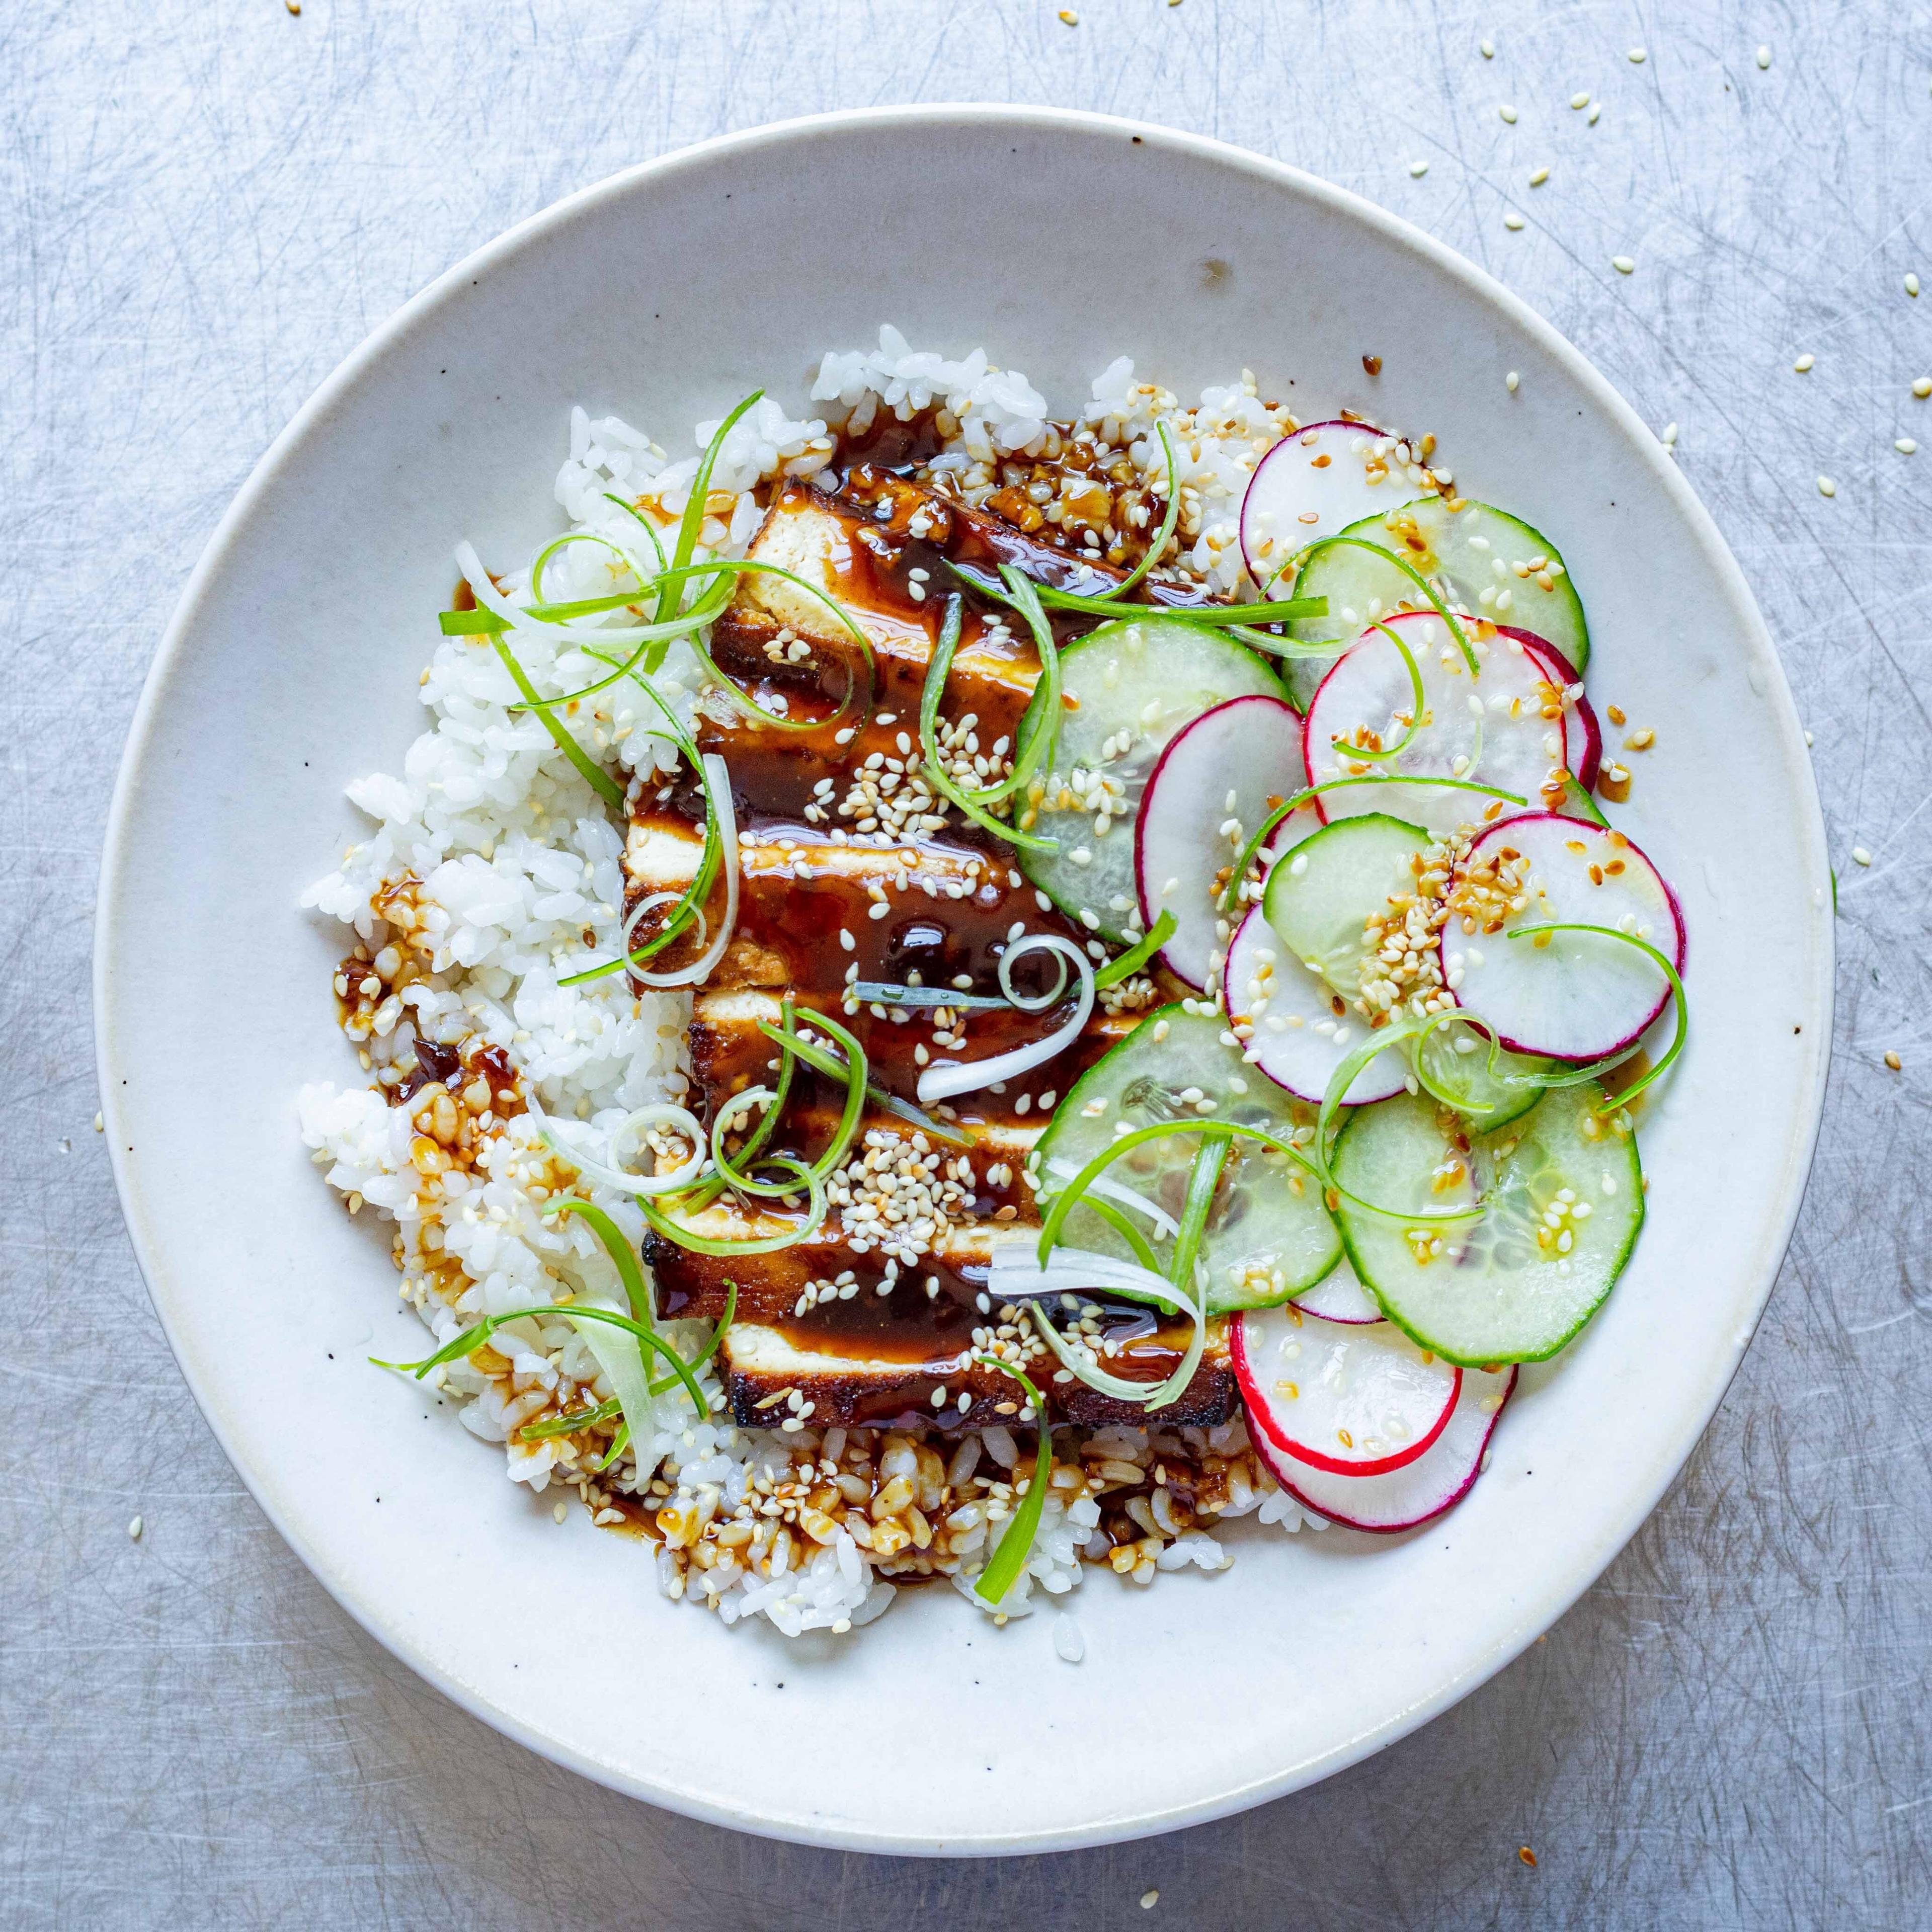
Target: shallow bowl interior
1058	241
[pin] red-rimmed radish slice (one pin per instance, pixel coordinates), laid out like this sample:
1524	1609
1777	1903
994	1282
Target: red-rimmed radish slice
1208	794
1313	483
1349	1399
1419	1491
1570	995
1287	1014
1583	736
1339	1296
1512	746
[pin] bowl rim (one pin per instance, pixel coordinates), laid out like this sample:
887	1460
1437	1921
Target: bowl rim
421	309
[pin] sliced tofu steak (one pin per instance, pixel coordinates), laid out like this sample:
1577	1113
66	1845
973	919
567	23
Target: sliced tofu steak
851	869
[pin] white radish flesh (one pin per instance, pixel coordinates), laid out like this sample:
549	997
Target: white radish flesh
1351	1400
1576	996
1339	1296
1207	795
1315	483
1504	728
1293	1033
1419	1491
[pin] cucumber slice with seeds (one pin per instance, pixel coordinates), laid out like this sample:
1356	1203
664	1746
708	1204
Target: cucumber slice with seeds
1269	1237
1133	685
1562	1191
1460	550
1454	1063
1321	896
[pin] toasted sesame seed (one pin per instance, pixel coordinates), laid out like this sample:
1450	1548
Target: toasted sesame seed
1826	488
1892	1059
1763	57
1072	19
1487	49
134	1529
1537	176
1921	387
1418	169
1624	265
1803	365
1860	857
1636	56
1595	113
1508	113
1670	435
1150	1899
1511	381
1911	285
1906	446
1580	99
1513	221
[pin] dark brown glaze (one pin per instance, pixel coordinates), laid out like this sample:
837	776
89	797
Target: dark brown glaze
801	900
728	1055
860	1401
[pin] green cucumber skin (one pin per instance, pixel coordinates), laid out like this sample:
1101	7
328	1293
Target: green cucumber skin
1416	1330
1381	826
1105	1075
1229	668
1571	635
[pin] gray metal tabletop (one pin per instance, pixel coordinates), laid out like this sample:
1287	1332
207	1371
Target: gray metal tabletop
207	206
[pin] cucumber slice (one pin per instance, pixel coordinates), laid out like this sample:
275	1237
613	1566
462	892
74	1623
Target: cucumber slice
1458	552
1134	683
1502	1289
1322	895
1453	1063
1269	1237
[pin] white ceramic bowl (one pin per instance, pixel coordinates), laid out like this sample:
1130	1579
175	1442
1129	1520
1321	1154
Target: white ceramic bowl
1059	241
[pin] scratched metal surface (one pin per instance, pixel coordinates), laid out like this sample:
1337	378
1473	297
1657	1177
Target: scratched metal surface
208	203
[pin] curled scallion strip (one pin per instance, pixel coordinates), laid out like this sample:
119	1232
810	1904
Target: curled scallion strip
621	1440
1067	1199
1382	1040
852	1069
684	1237
691	902
1677	1039
669	584
458	1347
972	804
1417	704
588	768
1157	550
623	1256
1003	1569
1302	557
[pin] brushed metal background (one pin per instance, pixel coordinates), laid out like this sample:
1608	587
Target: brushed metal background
206	203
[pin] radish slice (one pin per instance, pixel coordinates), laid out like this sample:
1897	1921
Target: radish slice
1207	794
1313	483
1350	1400
1571	995
1287	1016
1583	736
1422	1489
1518	748
1339	1296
